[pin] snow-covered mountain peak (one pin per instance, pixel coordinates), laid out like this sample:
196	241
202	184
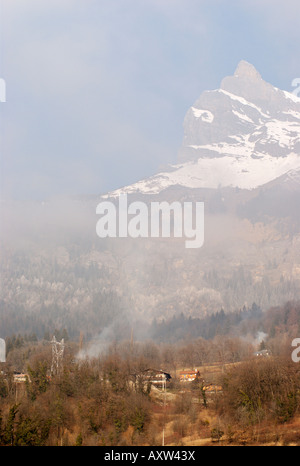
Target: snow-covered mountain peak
244	110
244	134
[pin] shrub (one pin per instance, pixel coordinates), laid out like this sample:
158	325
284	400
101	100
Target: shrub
258	389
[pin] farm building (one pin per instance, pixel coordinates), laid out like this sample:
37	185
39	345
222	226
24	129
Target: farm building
189	376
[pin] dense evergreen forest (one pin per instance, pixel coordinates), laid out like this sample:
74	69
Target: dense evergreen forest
251	323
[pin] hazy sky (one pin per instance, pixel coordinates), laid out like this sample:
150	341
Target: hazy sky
97	90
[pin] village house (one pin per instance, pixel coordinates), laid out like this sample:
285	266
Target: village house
189	376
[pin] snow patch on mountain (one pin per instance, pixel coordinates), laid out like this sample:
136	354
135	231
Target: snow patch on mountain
242	101
228	171
205	115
